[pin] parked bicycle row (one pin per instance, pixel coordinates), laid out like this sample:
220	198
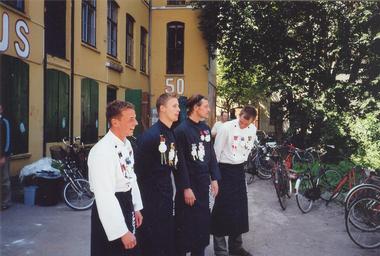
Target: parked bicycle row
314	180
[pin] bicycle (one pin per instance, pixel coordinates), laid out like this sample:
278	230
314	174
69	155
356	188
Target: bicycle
350	179
281	181
259	163
363	221
76	192
310	188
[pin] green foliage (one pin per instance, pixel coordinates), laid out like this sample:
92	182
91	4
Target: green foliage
319	56
366	131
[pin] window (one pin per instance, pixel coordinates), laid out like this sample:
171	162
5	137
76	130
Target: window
14	96
89	22
175	48
112	28
143	49
56	106
17	4
176	2
89	110
56	28
129	46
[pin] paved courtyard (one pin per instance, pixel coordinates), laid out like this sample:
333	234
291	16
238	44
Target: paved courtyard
60	231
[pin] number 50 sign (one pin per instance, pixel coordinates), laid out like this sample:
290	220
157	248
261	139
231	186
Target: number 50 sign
175	86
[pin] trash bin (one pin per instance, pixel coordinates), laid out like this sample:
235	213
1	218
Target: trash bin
49	188
29	195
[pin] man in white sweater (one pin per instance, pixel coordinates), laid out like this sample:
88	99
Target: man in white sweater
116	211
233	143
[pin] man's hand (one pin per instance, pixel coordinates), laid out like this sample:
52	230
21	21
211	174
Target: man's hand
129	240
189	196
138	218
2	160
214	188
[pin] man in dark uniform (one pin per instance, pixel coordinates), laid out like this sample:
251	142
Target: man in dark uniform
156	160
233	143
196	167
5	145
116	210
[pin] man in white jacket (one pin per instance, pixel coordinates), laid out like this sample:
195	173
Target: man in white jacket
116	211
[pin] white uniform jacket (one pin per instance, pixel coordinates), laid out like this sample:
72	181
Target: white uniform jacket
233	144
110	165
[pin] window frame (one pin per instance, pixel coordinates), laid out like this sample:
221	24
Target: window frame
129	41
112	28
173	63
14	4
90	7
143	49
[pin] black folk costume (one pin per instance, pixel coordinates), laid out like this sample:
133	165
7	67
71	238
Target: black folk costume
156	160
117	195
196	167
230	212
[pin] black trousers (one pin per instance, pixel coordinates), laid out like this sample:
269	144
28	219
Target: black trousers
100	246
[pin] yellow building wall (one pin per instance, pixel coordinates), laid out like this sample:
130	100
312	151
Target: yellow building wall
195	51
33	17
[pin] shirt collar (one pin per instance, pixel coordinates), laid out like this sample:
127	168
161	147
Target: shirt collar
118	142
162	125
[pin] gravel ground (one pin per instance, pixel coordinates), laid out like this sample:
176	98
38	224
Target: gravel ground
60	231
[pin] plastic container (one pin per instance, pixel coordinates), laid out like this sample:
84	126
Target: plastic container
30	195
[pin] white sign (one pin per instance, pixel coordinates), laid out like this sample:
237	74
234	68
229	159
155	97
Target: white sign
22	46
175	86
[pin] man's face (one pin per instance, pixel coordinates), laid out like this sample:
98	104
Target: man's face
224	117
171	109
126	123
244	123
203	109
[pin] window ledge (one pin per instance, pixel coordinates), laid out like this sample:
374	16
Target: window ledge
180	75
21	156
90	47
17	11
113	58
129	66
144	73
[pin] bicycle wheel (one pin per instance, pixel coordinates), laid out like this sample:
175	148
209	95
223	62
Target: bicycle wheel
326	183
363	222
77	194
360	191
264	168
303	187
281	186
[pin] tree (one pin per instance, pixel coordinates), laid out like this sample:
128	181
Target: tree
316	55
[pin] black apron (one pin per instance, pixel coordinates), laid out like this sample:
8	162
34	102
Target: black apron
193	222
153	170
100	246
230	212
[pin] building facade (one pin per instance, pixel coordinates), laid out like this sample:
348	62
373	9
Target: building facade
61	62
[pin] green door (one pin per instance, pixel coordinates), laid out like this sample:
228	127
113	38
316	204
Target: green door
134	96
14	97
89	109
56	105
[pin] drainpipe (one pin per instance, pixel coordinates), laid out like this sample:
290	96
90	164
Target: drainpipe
149	59
71	134
44	90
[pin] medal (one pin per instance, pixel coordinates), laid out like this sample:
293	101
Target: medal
194	151
201	151
172	154
162	148
208	137
234	142
202	137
